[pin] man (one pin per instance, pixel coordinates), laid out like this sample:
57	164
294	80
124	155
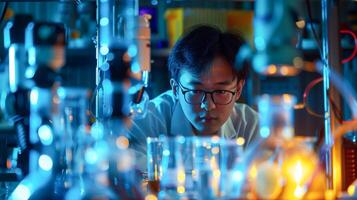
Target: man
205	88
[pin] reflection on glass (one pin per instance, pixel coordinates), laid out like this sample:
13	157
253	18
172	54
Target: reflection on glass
177	168
283	166
233	169
208	174
154	156
219	168
276	117
71	127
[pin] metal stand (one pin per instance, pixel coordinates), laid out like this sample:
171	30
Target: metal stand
330	57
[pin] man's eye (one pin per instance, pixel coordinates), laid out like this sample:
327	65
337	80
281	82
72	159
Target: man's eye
196	91
220	92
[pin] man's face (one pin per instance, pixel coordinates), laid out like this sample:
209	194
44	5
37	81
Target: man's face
207	116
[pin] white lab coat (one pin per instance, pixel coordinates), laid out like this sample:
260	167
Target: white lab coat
164	116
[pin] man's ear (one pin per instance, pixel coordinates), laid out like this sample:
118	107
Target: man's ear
240	85
174	87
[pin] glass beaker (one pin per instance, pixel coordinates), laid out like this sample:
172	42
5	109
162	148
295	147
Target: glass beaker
71	125
207	167
276	128
219	167
154	156
177	168
283	165
233	168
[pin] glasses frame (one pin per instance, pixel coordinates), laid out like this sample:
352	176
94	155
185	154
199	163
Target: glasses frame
184	90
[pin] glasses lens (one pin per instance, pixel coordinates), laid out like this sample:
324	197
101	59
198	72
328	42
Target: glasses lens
194	97
222	97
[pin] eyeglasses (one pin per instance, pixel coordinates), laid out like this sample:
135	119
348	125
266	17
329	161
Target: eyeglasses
195	97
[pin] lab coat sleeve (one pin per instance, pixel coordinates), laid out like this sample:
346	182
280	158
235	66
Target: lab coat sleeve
155	122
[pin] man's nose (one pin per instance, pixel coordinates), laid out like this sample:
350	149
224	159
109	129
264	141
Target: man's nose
207	102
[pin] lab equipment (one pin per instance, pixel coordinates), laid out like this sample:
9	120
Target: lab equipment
271	42
154	168
42	71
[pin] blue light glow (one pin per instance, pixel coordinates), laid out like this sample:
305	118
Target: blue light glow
30	72
264	132
104	66
104	50
181	139
135	88
166	152
12	70
45	162
97	130
91	156
132	50
238	176
45	134
21	192
104	21
32	56
263	104
110	56
108	86
130	11
135	67
61	92
259	43
154	2
7	40
102	149
34	96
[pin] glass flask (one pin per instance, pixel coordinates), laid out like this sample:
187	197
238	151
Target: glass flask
232	168
154	157
276	127
177	180
83	154
219	168
207	167
282	165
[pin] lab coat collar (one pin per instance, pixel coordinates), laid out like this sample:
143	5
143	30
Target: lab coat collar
227	130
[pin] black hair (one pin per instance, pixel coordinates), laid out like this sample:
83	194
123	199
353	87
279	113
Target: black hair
196	50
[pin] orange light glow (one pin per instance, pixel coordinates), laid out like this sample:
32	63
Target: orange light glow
351	190
180	189
299	192
150	197
8	164
122	142
271	69
298	172
284	70
181	176
240	141
253	171
298	167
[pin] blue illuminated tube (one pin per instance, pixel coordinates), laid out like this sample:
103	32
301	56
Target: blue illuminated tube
41	137
142	65
46	57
